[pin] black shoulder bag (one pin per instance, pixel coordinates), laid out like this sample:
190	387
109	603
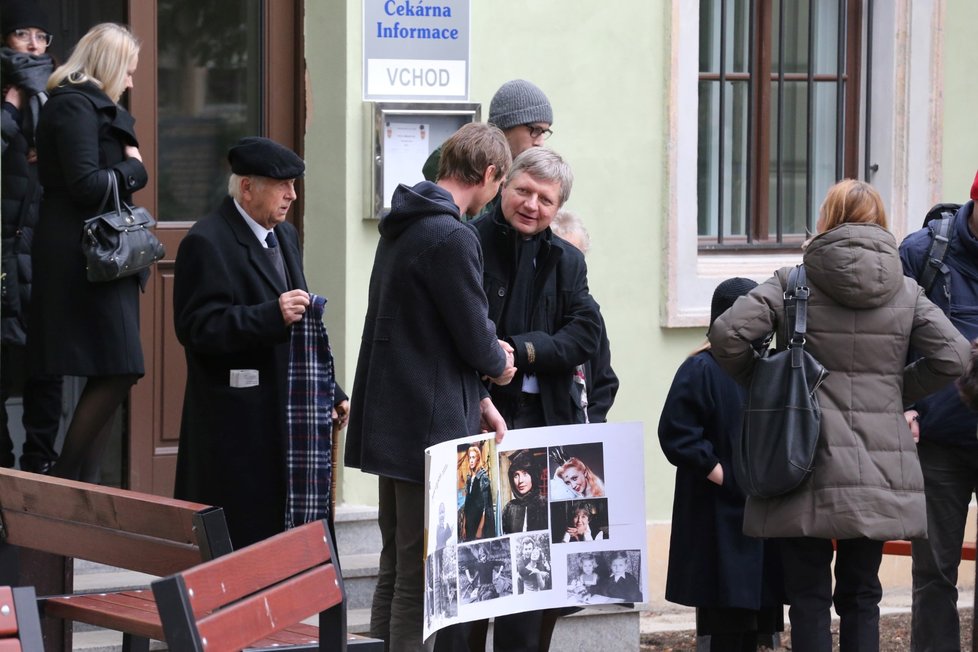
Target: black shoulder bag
119	242
782	417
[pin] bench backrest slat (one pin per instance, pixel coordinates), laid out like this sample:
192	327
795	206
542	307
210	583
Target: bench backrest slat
122	528
251	593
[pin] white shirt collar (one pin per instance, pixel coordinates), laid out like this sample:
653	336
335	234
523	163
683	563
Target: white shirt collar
260	232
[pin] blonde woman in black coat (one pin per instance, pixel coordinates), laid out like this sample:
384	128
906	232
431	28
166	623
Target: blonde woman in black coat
80	328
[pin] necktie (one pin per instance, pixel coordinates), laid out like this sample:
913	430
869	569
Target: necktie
275	253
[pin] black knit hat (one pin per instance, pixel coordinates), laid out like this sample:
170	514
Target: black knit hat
18	14
728	292
263	157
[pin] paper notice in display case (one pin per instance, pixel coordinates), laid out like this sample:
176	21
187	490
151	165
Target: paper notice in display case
551	517
406	149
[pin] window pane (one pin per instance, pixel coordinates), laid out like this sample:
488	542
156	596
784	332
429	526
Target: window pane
795	36
738	35
733	130
823	158
710	36
209	96
794	156
736	160
827	51
707	158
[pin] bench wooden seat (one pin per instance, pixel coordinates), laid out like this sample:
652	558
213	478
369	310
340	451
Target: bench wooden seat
231	602
20	628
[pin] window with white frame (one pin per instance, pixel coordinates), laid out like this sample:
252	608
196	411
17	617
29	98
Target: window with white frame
749	162
778	116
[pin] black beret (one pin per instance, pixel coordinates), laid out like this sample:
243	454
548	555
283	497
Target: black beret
265	158
18	14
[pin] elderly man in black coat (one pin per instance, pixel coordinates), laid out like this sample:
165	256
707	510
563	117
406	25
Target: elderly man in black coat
427	341
235	298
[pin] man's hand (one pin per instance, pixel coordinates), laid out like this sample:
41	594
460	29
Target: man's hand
293	305
492	421
341	414
912	417
510	370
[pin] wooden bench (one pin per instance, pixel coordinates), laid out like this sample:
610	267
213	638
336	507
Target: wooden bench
126	529
20	627
239	599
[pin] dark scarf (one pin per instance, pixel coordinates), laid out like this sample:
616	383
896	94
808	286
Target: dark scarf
30	72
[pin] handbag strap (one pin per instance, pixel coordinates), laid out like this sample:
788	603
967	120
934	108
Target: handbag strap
111	190
796	311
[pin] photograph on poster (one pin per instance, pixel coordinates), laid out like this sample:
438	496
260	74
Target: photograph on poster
477	509
531	554
577	471
441	586
485	571
525	495
600	577
578	521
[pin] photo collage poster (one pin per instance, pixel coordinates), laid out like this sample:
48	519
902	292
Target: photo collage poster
551	517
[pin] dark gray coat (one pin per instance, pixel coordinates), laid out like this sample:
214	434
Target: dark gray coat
79	328
426	340
864	315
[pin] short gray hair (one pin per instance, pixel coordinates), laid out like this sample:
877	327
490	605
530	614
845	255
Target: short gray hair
234	184
544	164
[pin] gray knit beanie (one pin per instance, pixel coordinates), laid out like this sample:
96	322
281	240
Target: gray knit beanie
518	102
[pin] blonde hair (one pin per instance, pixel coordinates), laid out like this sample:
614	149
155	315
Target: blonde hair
102	57
568	223
851	201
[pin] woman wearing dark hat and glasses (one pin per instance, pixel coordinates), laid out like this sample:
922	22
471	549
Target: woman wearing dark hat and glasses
78	327
24	69
730	579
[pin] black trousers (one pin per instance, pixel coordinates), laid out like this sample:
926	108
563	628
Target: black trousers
808	582
42	411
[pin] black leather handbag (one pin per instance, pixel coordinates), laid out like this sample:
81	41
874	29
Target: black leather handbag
119	243
782	417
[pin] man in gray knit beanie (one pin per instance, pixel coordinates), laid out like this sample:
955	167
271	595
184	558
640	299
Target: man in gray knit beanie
523	113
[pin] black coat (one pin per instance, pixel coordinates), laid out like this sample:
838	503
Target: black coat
21	192
711	563
426	338
227	316
601	380
564	327
80	328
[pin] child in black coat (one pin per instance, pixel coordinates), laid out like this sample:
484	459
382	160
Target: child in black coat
712	565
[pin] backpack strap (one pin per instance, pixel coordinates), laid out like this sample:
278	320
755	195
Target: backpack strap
940	232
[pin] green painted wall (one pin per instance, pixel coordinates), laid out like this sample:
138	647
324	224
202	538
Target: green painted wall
960	99
605	71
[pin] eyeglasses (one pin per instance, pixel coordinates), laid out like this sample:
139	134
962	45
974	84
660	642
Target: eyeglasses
26	36
536	132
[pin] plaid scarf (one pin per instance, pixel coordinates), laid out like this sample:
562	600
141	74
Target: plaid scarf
309	416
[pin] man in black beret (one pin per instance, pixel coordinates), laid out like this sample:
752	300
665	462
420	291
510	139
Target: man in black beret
239	292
